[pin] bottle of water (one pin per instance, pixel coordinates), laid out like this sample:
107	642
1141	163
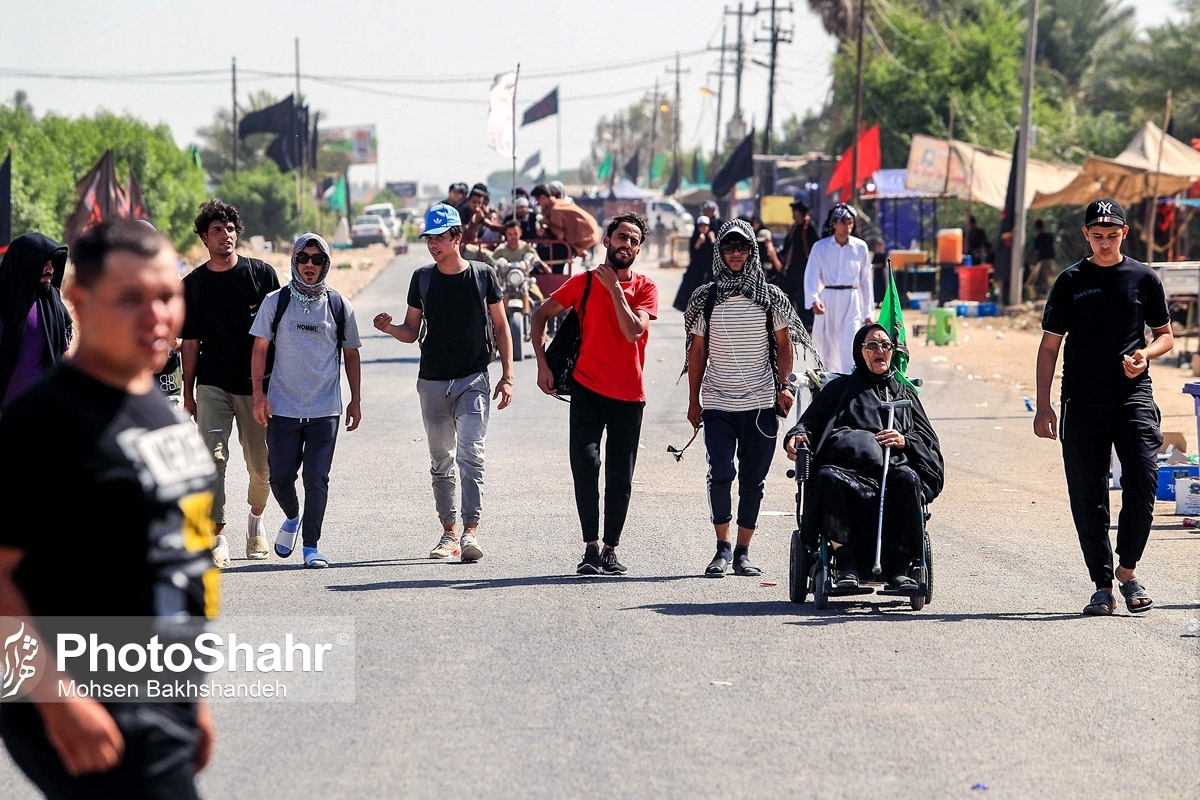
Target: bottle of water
1191	627
967	261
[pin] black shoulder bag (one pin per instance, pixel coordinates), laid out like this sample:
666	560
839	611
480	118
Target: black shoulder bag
563	351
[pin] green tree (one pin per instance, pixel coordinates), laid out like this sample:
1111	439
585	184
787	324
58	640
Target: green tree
266	200
217	141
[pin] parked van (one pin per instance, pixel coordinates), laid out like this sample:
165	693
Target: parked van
387	212
674	216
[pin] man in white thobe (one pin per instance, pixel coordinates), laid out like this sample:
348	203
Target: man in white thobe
838	288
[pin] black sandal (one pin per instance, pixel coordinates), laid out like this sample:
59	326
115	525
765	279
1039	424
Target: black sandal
1101	604
847	579
742	566
717	568
1133	590
903	583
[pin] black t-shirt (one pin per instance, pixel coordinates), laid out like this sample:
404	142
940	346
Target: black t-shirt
456	338
1103	313
1043	246
798	245
220	310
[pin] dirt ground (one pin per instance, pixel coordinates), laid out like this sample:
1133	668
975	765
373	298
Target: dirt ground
1003	351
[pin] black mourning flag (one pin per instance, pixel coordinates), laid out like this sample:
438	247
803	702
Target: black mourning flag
739	167
279	118
632	166
673	184
6	201
1003	255
546	107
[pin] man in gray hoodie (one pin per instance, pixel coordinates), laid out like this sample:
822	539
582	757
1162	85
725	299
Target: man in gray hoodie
312	326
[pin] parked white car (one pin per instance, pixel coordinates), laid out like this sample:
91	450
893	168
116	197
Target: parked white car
369	229
674	216
386	212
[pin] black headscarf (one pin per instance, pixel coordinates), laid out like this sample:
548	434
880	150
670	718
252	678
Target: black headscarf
853	403
20	287
838	212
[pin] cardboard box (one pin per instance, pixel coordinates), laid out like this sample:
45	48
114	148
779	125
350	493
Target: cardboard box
1187	496
1171	474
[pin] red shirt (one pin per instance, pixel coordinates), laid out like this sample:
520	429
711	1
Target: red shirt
609	364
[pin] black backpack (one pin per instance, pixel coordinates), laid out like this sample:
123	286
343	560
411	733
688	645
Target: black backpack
483	278
335	305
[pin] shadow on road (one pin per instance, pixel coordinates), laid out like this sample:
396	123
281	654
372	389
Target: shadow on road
398	360
751	608
501	583
280	566
901	611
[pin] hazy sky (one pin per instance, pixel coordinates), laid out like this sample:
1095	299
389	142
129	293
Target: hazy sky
439	56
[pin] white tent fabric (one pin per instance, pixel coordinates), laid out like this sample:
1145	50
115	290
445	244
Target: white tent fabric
975	173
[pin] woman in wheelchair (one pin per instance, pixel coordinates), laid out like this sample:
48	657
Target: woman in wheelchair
845	426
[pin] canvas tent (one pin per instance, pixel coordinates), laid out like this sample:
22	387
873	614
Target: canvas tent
1153	164
979	174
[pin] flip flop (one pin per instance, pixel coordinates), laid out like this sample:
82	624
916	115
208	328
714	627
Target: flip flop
1101	604
313	558
1133	590
285	541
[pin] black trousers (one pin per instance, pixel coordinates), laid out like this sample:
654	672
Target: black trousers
292	443
591	414
160	746
1089	430
750	436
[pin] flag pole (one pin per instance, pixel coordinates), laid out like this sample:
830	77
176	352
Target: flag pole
512	192
558	121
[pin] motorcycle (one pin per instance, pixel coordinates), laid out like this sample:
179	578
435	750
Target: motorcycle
520	293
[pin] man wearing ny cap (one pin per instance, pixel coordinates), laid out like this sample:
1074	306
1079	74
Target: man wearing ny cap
1101	306
453	384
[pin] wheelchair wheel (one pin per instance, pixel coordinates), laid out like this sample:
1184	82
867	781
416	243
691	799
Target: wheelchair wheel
798	568
928	570
820	587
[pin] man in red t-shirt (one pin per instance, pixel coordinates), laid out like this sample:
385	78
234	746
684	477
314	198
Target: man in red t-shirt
608	391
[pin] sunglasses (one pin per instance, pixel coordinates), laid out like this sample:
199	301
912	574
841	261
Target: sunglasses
735	247
318	260
874	347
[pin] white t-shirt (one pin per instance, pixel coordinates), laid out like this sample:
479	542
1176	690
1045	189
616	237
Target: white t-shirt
738	376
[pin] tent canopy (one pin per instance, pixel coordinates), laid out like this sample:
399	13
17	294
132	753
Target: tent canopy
625	189
979	174
1153	164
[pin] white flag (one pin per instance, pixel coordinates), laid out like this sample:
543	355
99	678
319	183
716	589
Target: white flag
500	113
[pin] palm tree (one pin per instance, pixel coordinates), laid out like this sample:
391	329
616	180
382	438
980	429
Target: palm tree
1074	34
838	16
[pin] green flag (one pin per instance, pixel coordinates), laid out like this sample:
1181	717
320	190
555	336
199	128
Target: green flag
891	317
657	165
606	167
337	197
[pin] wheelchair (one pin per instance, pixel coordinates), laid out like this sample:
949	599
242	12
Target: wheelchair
811	568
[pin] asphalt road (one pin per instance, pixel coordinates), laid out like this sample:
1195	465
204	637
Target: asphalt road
514	678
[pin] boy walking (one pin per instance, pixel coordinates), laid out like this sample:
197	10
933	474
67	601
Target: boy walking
738	362
223	295
313	328
1101	307
615	305
460	304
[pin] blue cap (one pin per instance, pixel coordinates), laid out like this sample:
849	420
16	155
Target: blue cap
440	219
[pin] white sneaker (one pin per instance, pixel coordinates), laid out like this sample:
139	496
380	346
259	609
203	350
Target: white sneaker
470	548
220	554
447	546
256	539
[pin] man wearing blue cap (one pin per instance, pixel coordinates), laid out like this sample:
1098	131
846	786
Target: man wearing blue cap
1101	306
459	302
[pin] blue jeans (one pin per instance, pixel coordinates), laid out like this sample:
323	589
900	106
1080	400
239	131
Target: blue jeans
456	415
750	435
308	442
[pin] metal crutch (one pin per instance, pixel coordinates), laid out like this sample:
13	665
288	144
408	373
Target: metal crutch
887	455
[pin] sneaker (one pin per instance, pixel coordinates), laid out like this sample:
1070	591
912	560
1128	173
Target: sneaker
220	554
609	564
471	552
447	546
591	563
285	540
256	539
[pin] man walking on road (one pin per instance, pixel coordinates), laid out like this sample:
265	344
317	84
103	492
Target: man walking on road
460	304
615	306
1101	307
223	296
796	249
313	331
132	541
739	359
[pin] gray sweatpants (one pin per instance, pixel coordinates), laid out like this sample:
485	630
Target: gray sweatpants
456	415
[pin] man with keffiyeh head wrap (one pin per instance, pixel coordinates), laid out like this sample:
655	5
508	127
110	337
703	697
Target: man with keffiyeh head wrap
739	359
311	326
839	288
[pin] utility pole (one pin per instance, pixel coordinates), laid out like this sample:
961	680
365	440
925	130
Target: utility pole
858	81
296	135
776	36
235	132
675	113
720	75
653	132
737	126
1018	230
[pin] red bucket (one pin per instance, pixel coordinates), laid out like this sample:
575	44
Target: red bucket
973	282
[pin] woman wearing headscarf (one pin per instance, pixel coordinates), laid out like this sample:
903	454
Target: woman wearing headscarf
738	359
838	287
35	327
844	428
